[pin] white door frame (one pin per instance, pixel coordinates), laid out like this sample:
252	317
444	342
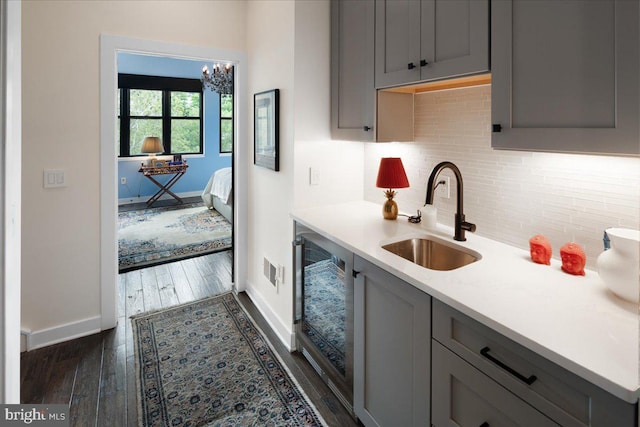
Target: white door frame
110	45
10	198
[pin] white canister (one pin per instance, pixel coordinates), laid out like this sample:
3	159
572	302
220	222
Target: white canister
619	267
429	216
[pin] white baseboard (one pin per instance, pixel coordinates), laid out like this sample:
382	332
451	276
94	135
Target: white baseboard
283	332
24	333
61	333
143	199
31	340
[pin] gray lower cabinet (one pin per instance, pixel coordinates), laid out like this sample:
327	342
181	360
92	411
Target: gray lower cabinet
485	377
565	75
422	40
392	328
352	89
420	362
463	396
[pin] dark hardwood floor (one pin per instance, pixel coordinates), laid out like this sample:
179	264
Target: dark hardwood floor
95	375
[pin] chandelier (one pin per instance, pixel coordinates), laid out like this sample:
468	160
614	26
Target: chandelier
219	79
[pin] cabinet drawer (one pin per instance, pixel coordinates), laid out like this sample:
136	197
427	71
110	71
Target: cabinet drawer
463	396
561	395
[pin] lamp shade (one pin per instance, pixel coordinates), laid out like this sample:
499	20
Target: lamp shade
391	173
152	145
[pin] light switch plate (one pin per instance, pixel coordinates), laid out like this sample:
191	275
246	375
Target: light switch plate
54	178
314	176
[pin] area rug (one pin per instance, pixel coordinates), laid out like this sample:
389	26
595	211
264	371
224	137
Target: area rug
153	236
208	363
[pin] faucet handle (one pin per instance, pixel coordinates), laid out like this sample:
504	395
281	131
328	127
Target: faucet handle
468	226
461	226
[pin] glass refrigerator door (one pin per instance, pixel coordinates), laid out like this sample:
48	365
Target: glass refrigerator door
324	314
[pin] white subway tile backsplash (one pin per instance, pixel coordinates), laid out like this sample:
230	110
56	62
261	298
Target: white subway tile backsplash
510	195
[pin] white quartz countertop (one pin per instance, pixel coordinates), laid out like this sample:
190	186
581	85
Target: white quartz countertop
574	321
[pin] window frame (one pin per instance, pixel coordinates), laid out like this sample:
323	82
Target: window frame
232	119
166	85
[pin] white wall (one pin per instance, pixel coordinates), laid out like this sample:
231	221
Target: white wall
288	48
61	227
339	163
510	195
270	48
294	57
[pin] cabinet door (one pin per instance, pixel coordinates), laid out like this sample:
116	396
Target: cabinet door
392	328
397	42
565	75
465	397
454	38
352	88
562	396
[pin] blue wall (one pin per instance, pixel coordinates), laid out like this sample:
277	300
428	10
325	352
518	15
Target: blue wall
200	168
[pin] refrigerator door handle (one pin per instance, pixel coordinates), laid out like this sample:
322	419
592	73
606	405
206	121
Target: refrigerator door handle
298	248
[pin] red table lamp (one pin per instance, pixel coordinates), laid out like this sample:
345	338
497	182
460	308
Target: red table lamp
391	175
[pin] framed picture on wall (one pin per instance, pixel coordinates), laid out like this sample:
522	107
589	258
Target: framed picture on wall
266	129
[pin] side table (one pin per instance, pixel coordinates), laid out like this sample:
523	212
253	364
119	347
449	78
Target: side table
176	170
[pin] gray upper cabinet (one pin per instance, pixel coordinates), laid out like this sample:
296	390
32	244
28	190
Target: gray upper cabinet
565	75
422	40
352	51
392	329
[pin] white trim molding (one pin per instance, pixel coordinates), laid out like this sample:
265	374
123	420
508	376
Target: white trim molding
10	198
286	334
110	45
61	333
24	333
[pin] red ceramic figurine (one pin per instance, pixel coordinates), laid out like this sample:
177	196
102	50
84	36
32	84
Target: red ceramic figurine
540	249
573	259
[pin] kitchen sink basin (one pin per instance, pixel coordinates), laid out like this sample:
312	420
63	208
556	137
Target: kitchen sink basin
431	253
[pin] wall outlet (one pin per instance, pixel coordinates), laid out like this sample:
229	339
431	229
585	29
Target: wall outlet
123	180
280	273
444	190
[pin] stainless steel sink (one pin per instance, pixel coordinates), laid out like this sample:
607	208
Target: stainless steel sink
431	254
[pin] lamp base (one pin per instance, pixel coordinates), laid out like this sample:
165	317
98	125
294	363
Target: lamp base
390	209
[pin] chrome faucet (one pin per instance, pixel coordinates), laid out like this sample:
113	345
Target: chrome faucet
460	224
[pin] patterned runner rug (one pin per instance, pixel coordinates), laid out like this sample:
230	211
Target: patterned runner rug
153	236
208	363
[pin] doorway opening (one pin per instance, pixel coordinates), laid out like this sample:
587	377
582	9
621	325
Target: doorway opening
111	46
175	162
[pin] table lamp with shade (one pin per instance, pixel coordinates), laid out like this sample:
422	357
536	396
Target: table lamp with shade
152	146
391	175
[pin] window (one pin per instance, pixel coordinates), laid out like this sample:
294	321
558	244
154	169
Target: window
170	108
226	123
